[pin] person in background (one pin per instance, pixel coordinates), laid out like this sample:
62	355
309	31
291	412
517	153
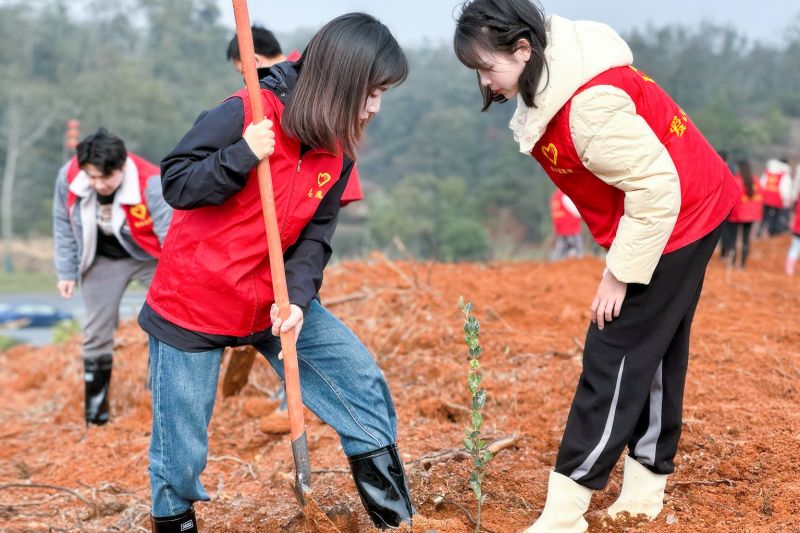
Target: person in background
727	240
268	51
776	187
566	227
794	247
109	221
747	211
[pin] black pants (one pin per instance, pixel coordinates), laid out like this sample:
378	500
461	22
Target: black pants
741	229
728	238
631	390
775	221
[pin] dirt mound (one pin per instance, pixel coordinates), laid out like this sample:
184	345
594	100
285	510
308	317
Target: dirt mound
737	467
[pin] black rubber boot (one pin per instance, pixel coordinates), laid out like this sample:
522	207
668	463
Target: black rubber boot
181	523
382	485
97	380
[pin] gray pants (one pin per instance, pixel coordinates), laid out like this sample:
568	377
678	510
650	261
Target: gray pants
567	246
102	287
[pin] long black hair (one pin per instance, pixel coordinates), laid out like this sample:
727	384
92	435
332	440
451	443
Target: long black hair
747	176
498	26
349	58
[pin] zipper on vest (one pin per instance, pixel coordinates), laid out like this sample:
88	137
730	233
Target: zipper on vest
291	194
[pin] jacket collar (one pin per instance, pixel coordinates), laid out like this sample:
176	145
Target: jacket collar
128	193
576	52
281	79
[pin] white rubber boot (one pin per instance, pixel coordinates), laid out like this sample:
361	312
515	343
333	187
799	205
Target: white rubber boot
563	511
642	491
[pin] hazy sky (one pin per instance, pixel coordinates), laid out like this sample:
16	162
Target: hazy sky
414	21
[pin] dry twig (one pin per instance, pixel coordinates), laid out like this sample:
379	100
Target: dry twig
49	487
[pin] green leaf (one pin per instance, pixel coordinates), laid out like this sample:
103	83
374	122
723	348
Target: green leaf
469	445
469	307
487	456
473	382
475	351
479	400
477	420
474	364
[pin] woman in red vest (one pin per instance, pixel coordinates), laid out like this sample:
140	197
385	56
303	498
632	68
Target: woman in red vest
749	209
213	287
653	192
566	226
776	189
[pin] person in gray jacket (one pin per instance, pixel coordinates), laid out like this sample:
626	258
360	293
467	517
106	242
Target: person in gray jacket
109	221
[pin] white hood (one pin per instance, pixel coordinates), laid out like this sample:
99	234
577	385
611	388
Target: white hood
576	52
775	166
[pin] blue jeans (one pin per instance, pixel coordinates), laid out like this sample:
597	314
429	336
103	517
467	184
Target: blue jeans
340	381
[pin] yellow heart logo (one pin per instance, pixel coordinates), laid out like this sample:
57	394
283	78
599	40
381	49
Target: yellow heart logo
551	152
139	211
323	178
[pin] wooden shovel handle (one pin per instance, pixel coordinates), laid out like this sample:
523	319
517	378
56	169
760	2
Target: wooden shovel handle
291	370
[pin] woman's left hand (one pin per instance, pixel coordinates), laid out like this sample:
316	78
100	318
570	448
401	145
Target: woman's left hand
607	302
295	321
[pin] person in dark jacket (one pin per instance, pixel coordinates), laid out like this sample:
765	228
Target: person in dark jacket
213	286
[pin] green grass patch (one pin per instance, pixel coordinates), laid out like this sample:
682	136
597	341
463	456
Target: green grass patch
7	342
26	282
65	330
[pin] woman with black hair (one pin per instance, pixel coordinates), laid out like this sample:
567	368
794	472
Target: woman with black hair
653	192
748	209
213	287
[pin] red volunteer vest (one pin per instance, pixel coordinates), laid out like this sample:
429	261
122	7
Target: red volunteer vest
708	191
214	274
138	217
796	227
749	208
772	193
564	223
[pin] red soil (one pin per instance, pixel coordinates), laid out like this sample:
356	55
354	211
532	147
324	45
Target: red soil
737	466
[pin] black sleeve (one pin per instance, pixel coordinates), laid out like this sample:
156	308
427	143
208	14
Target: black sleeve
305	260
212	161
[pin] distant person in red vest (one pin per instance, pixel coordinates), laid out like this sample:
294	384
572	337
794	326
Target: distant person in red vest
794	247
213	285
652	191
109	221
566	226
747	211
268	52
776	188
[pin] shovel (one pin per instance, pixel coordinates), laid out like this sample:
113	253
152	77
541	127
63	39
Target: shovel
316	520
